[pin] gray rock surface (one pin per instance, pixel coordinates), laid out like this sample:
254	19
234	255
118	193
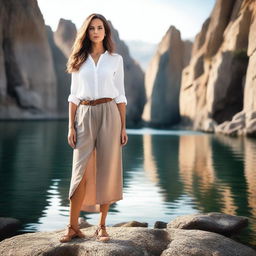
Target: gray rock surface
132	239
163	79
203	243
124	241
65	35
8	227
27	75
221	223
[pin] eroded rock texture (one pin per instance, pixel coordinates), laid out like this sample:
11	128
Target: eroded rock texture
28	84
217	85
163	79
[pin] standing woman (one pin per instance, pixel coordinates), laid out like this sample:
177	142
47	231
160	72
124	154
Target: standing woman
97	125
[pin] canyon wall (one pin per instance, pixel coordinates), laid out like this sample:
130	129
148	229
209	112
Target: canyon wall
163	79
28	85
33	81
217	87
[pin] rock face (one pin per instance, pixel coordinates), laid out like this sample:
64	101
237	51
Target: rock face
163	78
134	82
65	35
28	84
60	60
219	81
33	81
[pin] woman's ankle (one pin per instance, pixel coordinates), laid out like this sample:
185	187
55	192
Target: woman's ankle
74	225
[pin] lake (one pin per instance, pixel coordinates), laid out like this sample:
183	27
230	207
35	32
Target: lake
167	173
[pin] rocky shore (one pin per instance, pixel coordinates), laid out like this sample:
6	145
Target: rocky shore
188	235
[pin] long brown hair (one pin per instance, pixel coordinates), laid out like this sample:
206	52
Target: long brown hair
83	44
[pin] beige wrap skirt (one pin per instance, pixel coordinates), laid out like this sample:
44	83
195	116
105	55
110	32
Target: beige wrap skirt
98	155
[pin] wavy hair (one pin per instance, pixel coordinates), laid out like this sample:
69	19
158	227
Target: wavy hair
83	45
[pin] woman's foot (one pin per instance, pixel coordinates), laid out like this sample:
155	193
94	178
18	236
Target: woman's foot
71	233
101	233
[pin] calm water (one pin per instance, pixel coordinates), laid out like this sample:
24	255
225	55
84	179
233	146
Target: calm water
166	174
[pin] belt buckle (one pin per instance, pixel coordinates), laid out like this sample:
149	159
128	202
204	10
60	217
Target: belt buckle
92	102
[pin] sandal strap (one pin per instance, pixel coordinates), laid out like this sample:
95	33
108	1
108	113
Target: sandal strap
102	226
71	227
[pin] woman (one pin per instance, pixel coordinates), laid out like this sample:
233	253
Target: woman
97	125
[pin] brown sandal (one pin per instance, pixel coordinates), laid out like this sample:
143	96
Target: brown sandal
67	237
102	238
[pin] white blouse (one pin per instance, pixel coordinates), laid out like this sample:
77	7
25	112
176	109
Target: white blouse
106	79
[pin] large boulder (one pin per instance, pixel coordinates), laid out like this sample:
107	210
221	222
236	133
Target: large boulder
203	243
135	241
8	227
221	223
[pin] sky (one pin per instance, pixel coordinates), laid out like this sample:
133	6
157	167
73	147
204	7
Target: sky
144	20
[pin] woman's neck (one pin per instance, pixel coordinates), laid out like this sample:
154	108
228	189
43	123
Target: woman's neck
97	48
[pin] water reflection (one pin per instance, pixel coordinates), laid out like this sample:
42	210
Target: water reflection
166	174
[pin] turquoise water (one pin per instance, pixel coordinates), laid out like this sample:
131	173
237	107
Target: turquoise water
166	174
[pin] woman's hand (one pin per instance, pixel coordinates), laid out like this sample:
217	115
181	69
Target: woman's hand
124	137
72	137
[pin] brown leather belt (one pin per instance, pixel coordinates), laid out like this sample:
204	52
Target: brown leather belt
95	102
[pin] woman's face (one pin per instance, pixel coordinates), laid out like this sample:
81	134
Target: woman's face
96	30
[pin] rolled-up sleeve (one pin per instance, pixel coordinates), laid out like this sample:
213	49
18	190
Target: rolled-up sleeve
119	82
74	88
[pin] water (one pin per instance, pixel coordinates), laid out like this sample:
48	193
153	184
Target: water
166	174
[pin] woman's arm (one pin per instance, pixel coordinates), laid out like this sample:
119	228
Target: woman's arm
73	104
122	111
71	126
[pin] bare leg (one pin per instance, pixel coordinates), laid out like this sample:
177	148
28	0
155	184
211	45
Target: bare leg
103	214
76	203
75	206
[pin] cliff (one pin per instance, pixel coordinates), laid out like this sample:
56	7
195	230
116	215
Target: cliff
163	79
217	87
28	86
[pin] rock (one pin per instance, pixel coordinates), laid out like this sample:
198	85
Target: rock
124	241
221	223
131	224
239	116
33	63
163	78
219	81
64	36
203	243
63	78
28	98
251	128
160	224
8	227
26	65
209	125
219	20
231	128
224	92
134	82
250	85
83	223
